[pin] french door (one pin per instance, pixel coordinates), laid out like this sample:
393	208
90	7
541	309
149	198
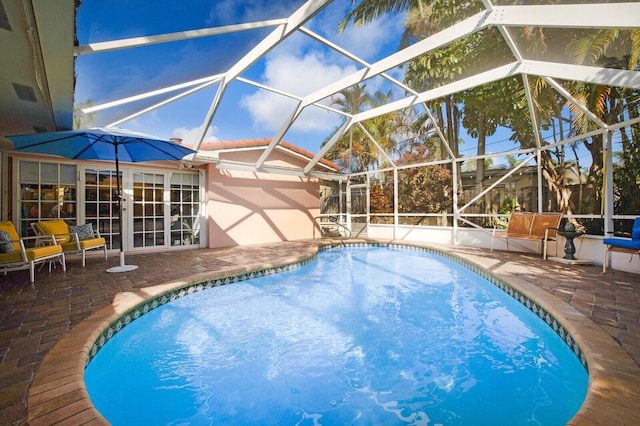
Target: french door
159	208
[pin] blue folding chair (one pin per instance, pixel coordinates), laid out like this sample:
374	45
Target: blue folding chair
623	245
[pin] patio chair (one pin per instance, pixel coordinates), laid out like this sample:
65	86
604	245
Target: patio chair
623	245
72	239
15	255
540	227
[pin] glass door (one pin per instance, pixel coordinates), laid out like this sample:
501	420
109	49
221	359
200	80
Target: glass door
160	208
101	204
148	210
185	209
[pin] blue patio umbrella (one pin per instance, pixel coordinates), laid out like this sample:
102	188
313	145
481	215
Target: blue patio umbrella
106	144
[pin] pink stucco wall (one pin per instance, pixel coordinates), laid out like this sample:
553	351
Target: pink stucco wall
250	208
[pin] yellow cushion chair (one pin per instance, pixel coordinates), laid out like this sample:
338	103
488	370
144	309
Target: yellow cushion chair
14	255
76	239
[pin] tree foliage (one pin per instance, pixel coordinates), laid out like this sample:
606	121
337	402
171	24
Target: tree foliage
481	110
425	189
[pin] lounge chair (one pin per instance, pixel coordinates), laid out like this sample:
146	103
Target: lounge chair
623	245
15	255
73	239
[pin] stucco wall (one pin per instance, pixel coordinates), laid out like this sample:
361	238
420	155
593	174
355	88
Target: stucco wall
250	208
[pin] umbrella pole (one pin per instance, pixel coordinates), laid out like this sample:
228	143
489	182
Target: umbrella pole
122	267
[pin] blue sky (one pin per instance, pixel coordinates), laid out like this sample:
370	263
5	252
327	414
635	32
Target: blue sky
299	66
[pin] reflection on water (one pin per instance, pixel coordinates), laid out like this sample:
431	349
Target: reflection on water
362	336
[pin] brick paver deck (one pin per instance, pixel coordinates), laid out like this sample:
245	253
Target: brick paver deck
602	311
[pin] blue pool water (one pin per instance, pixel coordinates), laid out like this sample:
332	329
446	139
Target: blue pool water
370	336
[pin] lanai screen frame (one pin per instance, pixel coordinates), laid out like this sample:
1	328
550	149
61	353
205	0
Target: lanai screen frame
590	15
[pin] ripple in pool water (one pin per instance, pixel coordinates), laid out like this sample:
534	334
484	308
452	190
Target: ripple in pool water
360	336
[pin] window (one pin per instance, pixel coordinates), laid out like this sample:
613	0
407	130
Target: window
47	191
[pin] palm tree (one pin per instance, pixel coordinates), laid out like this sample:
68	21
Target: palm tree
355	151
349	150
610	104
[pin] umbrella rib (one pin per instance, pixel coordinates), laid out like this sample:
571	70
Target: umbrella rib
95	138
161	150
49	141
83	150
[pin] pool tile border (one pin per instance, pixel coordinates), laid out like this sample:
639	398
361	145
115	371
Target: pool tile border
58	392
173	294
523	299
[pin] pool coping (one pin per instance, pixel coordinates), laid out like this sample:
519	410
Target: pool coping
58	392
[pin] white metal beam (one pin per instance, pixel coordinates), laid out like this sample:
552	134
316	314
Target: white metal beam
371	138
304	13
336	136
459	30
532	111
349	55
569	97
438	92
383	75
288	95
162	103
106	46
570	16
268	88
595	75
278	137
295	21
588	74
289	171
498	182
145	95
582	15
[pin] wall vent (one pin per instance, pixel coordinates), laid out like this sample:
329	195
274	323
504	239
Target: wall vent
4	19
25	93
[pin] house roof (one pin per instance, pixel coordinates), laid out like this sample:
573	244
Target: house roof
45	58
263	143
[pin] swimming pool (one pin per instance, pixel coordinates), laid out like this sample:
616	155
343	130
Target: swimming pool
398	337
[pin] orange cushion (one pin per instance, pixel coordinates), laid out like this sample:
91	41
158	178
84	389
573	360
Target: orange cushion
57	226
11	230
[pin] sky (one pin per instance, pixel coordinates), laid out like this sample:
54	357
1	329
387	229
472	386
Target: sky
299	66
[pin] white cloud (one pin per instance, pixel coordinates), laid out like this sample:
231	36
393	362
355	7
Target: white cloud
189	136
369	41
298	76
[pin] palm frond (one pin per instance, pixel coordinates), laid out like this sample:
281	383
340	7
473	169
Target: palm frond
369	10
634	57
589	49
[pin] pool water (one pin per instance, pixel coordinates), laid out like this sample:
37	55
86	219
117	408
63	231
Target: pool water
366	335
